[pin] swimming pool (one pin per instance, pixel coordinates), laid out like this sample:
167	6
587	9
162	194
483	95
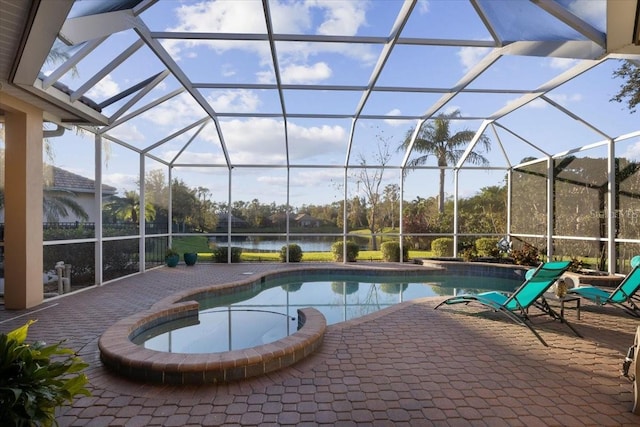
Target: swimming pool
121	354
269	313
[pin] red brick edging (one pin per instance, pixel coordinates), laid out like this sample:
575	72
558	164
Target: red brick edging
119	353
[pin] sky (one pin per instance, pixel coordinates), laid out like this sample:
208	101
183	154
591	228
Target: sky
259	141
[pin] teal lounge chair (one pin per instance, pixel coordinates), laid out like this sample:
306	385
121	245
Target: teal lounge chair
516	305
624	296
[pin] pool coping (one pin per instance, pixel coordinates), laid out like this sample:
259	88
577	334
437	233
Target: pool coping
120	354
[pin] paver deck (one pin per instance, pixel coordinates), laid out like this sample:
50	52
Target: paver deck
406	365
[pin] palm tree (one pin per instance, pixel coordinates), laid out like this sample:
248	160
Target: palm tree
57	204
127	208
435	139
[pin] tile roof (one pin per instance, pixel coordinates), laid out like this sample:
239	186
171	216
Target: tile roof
63	179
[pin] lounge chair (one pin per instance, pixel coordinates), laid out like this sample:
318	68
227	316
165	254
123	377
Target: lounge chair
624	296
516	305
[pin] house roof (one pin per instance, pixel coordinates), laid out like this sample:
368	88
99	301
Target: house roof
63	179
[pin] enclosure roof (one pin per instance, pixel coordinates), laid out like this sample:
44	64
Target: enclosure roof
318	84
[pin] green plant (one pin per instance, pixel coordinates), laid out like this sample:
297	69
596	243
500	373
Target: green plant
442	246
36	379
487	246
295	253
171	252
337	249
469	254
391	252
221	254
527	255
576	265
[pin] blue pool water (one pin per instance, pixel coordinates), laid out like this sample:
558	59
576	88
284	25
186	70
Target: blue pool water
268	314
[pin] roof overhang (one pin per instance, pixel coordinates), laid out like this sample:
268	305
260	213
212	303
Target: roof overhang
42	27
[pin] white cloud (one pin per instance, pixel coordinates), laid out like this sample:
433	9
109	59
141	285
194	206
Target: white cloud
123	182
190	157
228	70
537	103
127	132
104	89
562	63
560	98
395	123
423	6
632	152
470	56
175	113
235	101
592	11
341	17
309	178
218	17
563	98
261	141
306	74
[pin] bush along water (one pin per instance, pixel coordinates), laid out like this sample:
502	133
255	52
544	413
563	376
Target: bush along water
337	249
35	379
391	252
295	253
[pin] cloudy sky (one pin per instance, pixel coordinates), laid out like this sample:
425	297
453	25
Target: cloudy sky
259	140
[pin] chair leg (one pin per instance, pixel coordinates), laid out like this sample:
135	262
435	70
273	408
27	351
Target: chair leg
635	366
543	305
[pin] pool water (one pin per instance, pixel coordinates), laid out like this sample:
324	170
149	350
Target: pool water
250	319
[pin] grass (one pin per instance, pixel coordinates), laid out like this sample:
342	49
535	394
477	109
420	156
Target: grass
311	256
200	245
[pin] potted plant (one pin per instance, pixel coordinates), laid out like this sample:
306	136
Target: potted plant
172	257
190	258
35	379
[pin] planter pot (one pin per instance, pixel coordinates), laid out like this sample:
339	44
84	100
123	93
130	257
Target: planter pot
190	258
172	260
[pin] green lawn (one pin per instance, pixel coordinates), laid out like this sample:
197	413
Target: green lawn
200	245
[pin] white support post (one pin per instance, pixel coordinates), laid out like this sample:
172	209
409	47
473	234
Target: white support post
456	172
229	218
611	208
288	212
142	220
98	208
170	209
400	222
550	212
344	219
509	200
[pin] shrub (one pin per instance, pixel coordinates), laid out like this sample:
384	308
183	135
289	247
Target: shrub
527	255
469	253
221	254
391	252
442	246
337	249
576	265
487	246
295	253
36	379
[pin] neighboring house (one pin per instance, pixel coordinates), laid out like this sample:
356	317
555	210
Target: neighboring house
302	220
307	221
82	187
223	222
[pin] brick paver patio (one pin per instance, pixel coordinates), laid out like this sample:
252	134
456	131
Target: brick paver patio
407	365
